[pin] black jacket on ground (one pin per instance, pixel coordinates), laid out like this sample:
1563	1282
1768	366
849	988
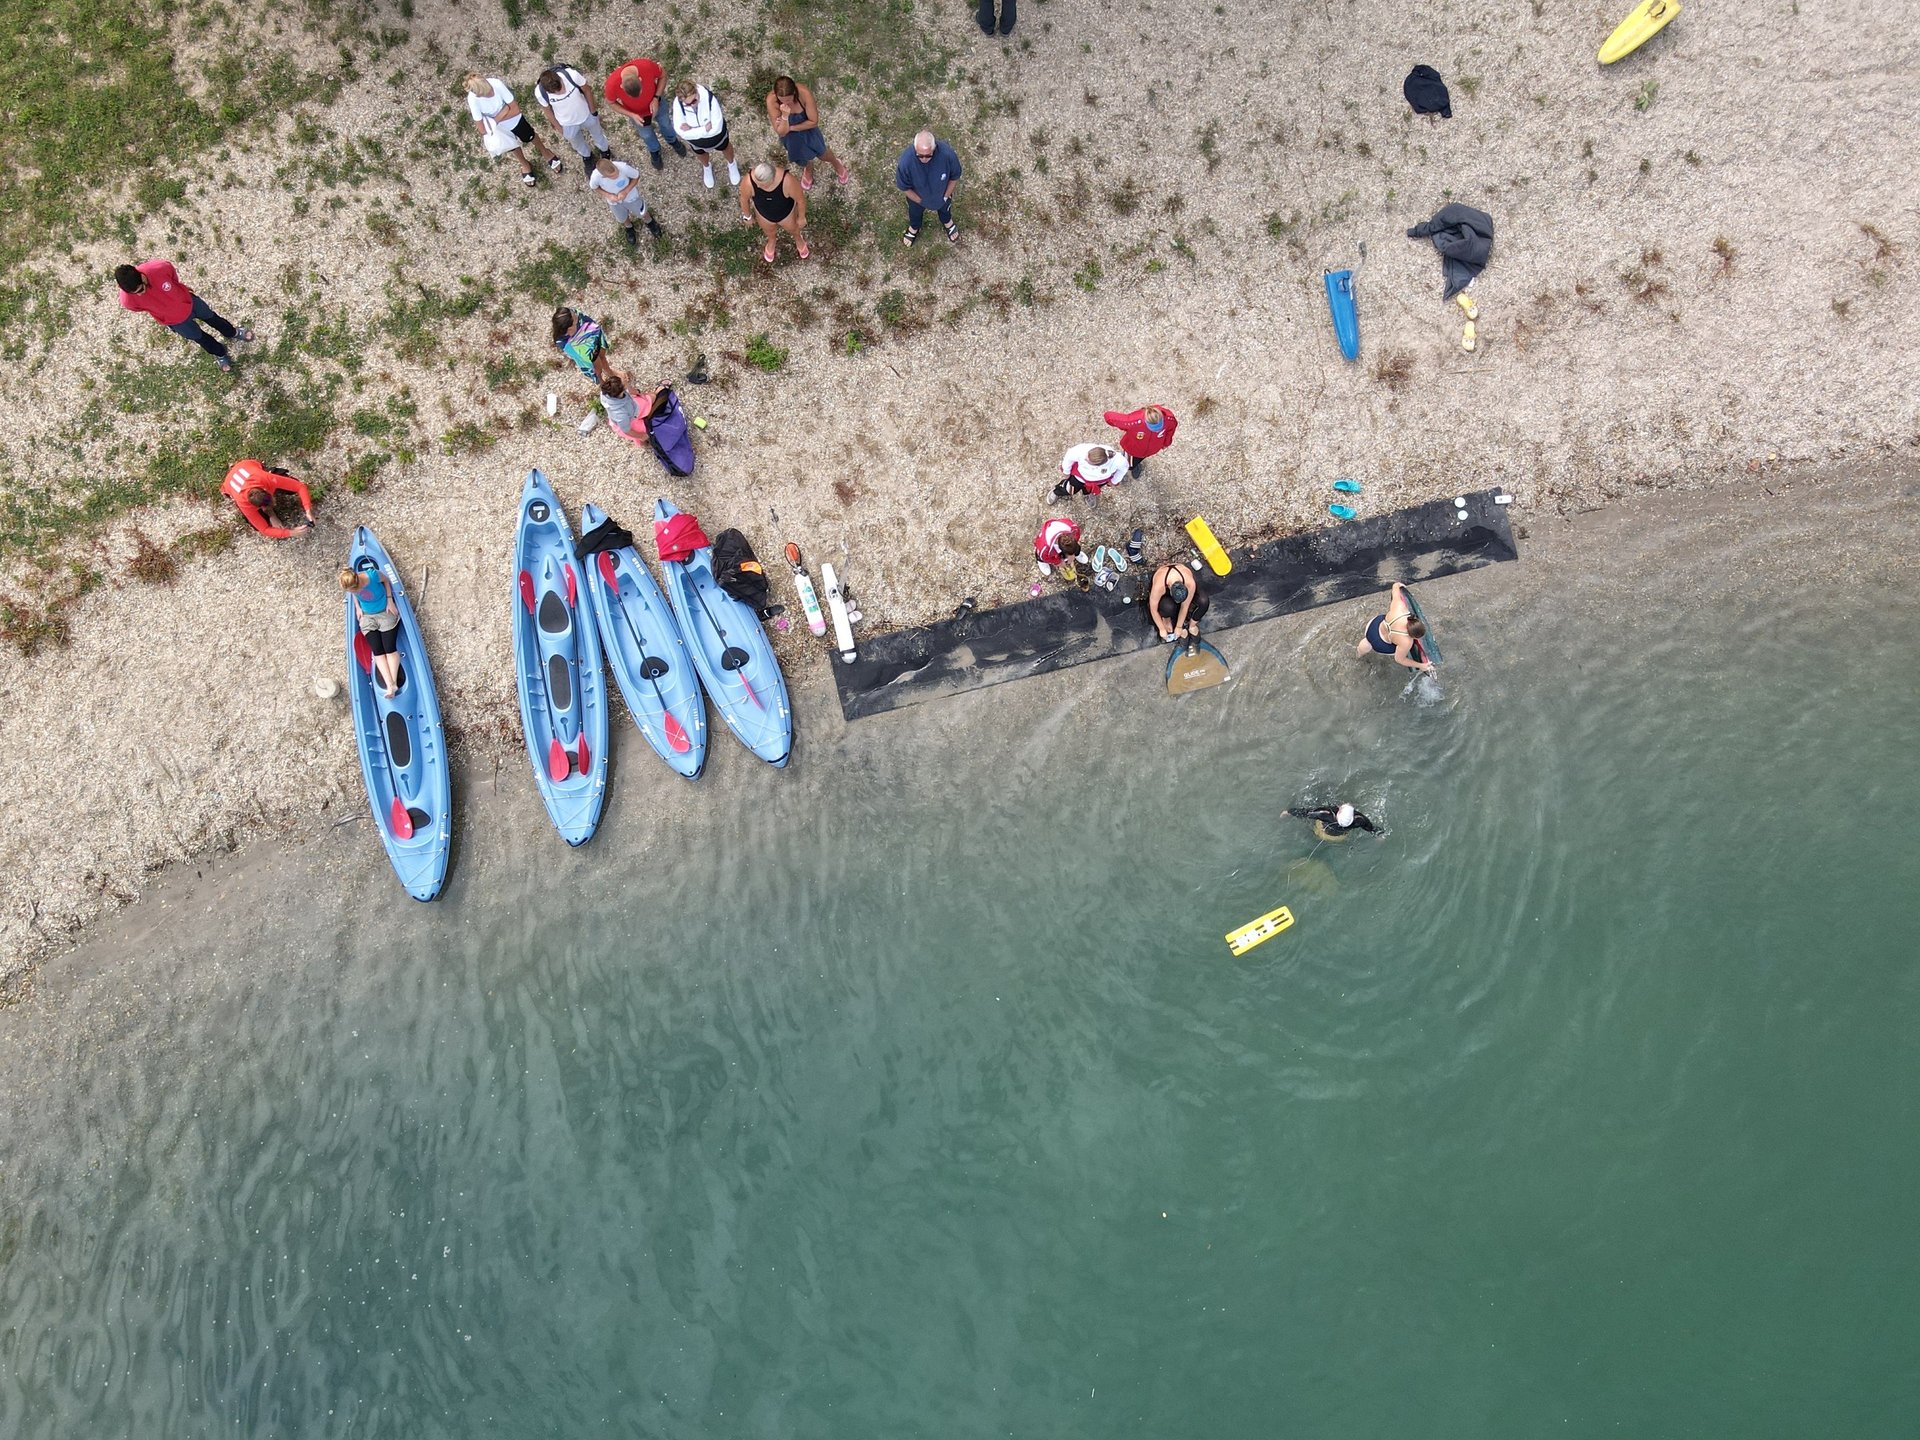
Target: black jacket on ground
1426	92
1464	238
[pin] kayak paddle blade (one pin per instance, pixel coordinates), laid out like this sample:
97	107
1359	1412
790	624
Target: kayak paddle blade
609	572
556	760
526	591
400	821
677	739
586	756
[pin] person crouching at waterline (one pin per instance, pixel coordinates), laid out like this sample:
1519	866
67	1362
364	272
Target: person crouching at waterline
379	622
1334	822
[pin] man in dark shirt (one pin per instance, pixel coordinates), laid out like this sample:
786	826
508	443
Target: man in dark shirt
926	174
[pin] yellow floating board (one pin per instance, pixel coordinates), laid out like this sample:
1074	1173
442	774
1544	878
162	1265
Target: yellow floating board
1648	19
1202	534
1265	928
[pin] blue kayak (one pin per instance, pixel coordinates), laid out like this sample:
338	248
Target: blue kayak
556	662
1346	316
645	652
731	652
403	745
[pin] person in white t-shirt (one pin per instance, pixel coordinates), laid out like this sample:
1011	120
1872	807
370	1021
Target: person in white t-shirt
503	129
1087	470
619	185
562	92
699	120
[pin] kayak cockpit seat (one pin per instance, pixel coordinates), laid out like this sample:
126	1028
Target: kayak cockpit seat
559	681
554	618
399	740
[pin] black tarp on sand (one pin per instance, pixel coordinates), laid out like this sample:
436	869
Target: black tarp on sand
1279	577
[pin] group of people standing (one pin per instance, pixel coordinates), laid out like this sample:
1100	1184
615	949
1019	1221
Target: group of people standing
692	121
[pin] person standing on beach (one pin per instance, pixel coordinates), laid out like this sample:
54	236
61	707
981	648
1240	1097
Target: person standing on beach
561	91
635	89
1009	12
771	195
796	120
580	338
155	288
1087	470
1143	432
503	129
926	174
258	492
701	121
619	184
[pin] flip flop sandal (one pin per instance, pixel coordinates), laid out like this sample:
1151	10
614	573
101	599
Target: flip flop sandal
953	231
1468	336
528	180
1342	512
768	254
804	252
1100	558
1347	487
1465	301
805	183
843	176
1117	560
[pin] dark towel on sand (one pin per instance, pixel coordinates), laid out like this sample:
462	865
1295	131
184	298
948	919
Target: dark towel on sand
1426	92
1464	238
607	535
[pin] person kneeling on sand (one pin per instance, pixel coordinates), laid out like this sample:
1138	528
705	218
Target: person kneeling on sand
1087	470
1395	633
1175	602
379	621
1334	822
1057	543
626	411
261	492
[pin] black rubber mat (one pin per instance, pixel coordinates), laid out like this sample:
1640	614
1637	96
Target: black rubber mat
1277	577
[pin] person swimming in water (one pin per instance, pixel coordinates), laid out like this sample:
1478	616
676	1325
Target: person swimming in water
1334	822
1397	633
1175	602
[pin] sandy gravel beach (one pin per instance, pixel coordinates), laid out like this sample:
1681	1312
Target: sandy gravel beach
1703	274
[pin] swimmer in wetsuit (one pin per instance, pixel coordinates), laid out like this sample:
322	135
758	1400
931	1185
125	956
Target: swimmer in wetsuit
1396	633
1334	822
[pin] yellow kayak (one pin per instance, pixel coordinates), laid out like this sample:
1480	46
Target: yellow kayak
1648	19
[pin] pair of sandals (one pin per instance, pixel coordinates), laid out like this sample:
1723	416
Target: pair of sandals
773	249
953	233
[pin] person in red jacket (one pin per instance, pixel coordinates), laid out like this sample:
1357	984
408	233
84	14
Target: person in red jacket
156	289
259	490
1143	432
635	90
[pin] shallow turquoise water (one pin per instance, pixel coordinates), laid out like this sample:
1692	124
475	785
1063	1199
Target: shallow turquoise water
882	1099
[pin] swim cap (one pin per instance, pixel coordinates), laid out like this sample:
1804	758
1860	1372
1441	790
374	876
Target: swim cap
1343	816
1178	592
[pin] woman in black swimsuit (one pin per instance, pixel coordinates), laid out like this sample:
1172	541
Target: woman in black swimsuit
1175	602
770	194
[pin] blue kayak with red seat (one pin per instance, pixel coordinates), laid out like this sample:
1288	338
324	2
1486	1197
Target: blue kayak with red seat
403	744
725	638
642	644
556	662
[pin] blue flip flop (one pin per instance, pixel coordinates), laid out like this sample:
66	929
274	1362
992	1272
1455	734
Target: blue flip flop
1342	512
1347	487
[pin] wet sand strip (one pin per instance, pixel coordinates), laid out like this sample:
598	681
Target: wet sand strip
1276	577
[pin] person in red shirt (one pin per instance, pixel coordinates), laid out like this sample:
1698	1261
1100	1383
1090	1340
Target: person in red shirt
259	490
1143	432
154	288
635	90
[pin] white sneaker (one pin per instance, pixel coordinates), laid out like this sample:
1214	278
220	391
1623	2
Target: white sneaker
707	175
733	173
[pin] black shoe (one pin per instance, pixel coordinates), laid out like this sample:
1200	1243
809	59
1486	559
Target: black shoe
698	374
633	237
586	164
772	610
679	146
963	609
653	228
658	163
